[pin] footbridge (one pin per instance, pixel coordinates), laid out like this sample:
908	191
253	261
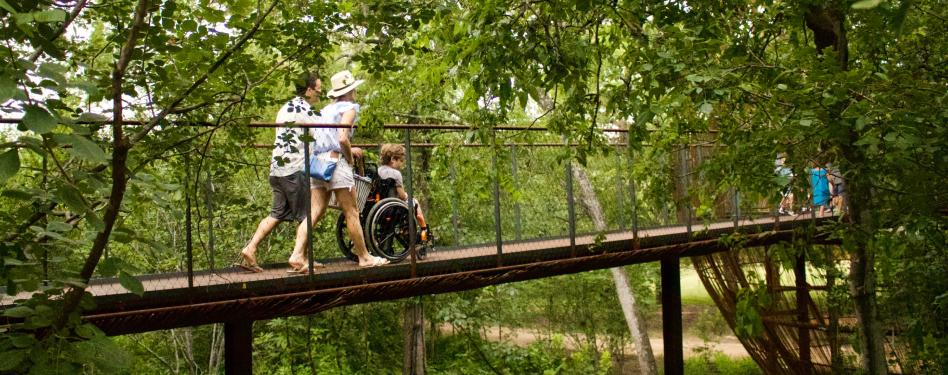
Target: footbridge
467	256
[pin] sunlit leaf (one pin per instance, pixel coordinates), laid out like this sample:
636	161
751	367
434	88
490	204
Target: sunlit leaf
131	283
51	15
866	4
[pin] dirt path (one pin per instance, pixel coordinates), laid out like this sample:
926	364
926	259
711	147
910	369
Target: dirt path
523	337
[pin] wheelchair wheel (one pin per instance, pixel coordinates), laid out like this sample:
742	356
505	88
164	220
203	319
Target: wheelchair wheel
342	238
387	231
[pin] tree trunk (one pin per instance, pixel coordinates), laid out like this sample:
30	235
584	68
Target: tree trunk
414	325
829	30
414	338
637	327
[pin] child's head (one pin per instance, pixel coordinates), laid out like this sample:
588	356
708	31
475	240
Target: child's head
392	152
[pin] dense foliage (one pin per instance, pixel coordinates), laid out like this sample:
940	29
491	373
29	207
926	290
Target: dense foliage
861	84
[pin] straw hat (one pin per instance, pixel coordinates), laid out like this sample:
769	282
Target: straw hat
342	83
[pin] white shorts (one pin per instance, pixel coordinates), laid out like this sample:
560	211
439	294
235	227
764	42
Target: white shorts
341	178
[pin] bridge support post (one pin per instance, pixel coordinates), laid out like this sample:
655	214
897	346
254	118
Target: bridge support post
671	316
803	319
238	347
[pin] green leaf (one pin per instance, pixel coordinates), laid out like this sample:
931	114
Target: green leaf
6	6
82	147
11	359
58	226
38	120
706	108
109	267
87	331
72	198
131	284
7	87
9	164
22	341
18	312
51	15
866	4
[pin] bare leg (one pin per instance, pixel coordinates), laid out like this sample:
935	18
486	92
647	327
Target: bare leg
347	202
265	227
319	198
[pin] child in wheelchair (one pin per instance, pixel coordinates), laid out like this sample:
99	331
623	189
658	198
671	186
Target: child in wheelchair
392	160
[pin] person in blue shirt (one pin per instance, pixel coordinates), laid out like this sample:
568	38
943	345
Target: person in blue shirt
820	187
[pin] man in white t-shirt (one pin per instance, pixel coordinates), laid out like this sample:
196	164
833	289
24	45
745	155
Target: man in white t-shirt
287	180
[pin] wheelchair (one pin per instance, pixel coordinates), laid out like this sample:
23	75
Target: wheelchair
385	221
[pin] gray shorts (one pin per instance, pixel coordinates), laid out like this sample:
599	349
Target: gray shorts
289	197
341	178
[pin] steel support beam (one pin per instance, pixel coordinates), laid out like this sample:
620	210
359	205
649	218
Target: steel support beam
238	347
671	316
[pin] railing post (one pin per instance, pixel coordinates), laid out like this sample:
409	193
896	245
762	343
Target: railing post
188	245
410	187
513	170
498	237
619	190
671	316
455	222
238	347
309	207
683	157
635	198
735	211
571	207
209	205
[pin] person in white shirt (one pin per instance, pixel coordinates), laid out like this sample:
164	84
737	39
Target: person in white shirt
287	177
335	144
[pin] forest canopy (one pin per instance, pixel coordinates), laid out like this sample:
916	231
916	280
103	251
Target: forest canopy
859	84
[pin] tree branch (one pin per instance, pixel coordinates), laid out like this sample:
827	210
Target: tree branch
217	64
119	182
72	17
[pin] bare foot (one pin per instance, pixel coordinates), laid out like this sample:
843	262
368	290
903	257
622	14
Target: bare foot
373	262
249	262
248	255
297	263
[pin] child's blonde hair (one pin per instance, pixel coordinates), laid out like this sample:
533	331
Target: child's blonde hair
392	151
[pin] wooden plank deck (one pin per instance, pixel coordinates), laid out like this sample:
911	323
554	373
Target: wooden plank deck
168	295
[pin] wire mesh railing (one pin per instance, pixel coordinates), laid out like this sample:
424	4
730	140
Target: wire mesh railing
487	203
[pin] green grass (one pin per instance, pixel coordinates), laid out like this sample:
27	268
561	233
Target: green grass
719	363
692	290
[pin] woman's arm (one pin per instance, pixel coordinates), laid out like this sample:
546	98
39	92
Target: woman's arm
401	193
347	118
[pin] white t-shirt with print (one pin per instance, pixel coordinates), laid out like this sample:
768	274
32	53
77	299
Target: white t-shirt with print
287	157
